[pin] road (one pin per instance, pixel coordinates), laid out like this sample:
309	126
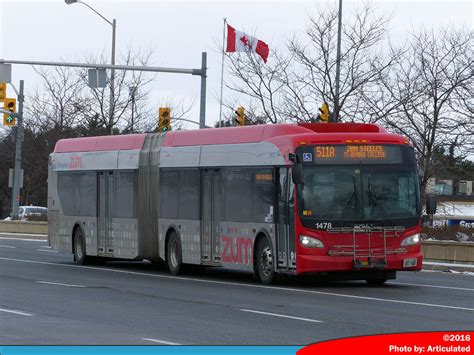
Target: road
46	299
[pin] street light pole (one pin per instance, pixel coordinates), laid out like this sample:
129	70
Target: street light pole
338	63
112	81
112	23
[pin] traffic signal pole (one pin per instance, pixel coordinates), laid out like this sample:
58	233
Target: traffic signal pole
202	72
18	146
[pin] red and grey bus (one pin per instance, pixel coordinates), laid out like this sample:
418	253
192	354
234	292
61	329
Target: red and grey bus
324	198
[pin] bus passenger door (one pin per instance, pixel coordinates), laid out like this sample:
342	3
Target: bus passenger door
210	215
285	222
105	200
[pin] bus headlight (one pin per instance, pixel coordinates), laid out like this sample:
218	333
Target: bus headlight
411	240
310	242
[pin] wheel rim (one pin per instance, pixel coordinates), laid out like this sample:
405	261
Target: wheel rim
266	261
79	251
174	253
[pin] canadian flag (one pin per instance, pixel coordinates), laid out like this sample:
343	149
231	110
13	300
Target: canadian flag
240	42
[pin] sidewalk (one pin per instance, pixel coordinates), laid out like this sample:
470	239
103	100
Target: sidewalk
446	266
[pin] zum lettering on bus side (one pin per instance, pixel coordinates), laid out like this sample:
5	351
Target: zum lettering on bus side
237	250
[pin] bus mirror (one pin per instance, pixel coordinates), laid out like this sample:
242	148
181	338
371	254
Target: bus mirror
297	174
431	204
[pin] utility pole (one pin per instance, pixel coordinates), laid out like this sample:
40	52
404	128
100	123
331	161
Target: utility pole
202	104
18	145
338	63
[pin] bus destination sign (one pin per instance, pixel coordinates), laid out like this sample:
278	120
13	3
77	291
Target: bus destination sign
346	154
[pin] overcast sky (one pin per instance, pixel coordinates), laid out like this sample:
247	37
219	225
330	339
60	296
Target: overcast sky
179	31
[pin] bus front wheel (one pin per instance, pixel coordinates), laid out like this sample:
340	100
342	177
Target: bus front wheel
265	270
173	254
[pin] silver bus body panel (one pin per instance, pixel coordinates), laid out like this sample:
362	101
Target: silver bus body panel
125	238
189	233
237	243
145	236
248	154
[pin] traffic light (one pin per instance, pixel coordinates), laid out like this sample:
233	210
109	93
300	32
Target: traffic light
164	120
3	91
9	105
324	114
240	119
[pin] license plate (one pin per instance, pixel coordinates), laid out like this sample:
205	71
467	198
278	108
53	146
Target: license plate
409	262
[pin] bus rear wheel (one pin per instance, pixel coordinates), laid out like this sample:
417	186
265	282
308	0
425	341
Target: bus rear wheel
264	268
173	254
80	247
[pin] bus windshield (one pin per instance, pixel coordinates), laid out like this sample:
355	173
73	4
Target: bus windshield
359	193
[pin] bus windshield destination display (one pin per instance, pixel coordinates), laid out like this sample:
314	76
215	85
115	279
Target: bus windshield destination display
346	154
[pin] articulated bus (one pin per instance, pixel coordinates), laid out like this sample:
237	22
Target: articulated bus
323	198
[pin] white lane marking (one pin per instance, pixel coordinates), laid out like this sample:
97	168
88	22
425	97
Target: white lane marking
58	284
433	286
45	246
25	239
245	285
160	341
16	312
7	246
47	250
282	316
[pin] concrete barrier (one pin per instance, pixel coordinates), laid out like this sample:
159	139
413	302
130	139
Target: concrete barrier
448	251
23	227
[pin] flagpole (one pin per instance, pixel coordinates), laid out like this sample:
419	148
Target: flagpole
222	72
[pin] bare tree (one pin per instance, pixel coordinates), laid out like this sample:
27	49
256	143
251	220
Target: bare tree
296	81
60	103
432	88
129	112
263	85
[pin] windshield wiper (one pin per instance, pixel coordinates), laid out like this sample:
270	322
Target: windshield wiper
374	201
353	197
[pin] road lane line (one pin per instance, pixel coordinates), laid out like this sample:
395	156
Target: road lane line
47	250
25	239
58	284
278	288
160	341
282	316
7	246
16	312
45	246
433	286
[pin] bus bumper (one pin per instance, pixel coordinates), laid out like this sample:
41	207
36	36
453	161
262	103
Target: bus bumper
324	263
